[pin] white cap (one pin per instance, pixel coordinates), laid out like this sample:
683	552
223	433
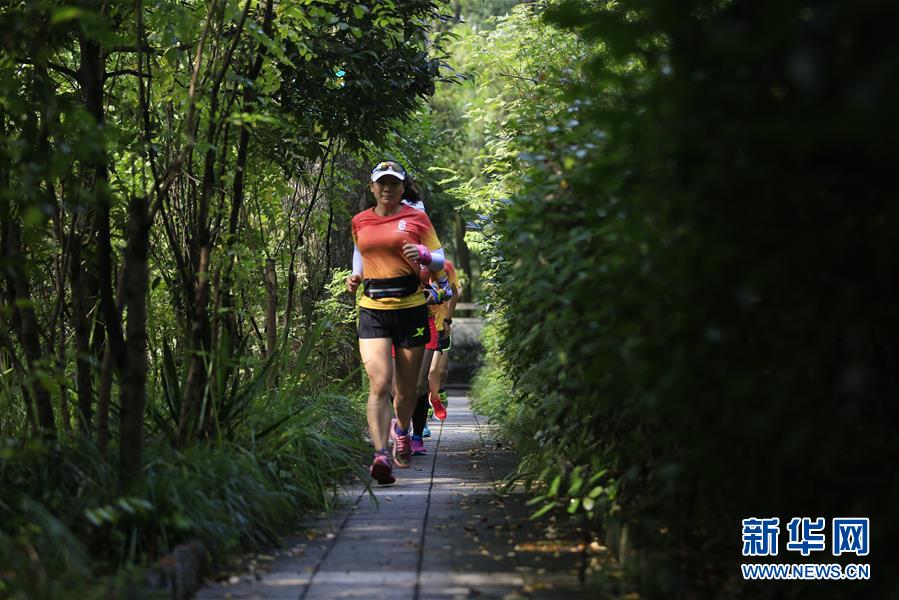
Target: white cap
388	167
416	204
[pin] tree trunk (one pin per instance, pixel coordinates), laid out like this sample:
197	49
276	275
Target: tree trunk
25	321
200	248
195	386
288	309
103	394
199	348
271	307
64	413
134	377
271	316
10	297
250	97
91	76
81	326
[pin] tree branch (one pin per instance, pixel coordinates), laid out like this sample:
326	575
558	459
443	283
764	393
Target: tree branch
111	74
149	49
55	66
531	79
64	70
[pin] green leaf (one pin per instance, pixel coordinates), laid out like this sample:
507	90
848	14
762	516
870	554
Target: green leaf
68	13
577	481
597	476
573	505
554	486
543	510
181	522
596	492
33	216
536	500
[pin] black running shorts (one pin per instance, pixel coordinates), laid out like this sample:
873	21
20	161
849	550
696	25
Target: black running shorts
407	327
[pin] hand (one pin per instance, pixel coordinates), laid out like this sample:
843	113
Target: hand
352	283
410	251
444	288
447	328
417	253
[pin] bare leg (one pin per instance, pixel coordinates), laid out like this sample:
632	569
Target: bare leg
420	416
393	379
444	369
425	372
435	374
408	364
379	367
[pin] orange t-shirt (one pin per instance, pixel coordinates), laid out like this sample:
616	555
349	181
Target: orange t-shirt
443	309
380	241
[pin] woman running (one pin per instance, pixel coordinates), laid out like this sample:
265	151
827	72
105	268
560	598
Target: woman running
437	292
391	241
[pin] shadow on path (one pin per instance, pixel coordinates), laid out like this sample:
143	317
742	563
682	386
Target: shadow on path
440	532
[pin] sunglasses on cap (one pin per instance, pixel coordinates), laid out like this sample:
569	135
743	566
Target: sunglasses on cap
388	167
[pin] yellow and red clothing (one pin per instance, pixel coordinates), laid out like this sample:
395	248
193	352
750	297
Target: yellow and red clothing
380	241
442	310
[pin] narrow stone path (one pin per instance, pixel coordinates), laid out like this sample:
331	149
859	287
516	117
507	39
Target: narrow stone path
440	532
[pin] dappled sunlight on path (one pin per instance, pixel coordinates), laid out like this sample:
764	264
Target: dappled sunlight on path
440	532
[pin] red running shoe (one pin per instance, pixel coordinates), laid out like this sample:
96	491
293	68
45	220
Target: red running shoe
439	408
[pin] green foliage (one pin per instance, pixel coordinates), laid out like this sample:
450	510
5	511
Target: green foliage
308	85
347	92
449	143
239	132
45	490
479	13
277	452
691	282
65	516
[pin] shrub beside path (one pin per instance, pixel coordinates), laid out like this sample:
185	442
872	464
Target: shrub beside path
441	531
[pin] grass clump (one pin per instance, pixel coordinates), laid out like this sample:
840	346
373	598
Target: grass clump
65	519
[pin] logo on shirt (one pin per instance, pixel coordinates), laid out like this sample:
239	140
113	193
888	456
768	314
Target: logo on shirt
401	226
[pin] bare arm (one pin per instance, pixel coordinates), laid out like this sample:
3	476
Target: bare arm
451	306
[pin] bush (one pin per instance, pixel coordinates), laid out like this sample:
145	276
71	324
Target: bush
64	517
694	279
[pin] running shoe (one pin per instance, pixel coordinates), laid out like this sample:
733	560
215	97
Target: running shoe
439	408
418	446
426	432
402	447
381	470
444	398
